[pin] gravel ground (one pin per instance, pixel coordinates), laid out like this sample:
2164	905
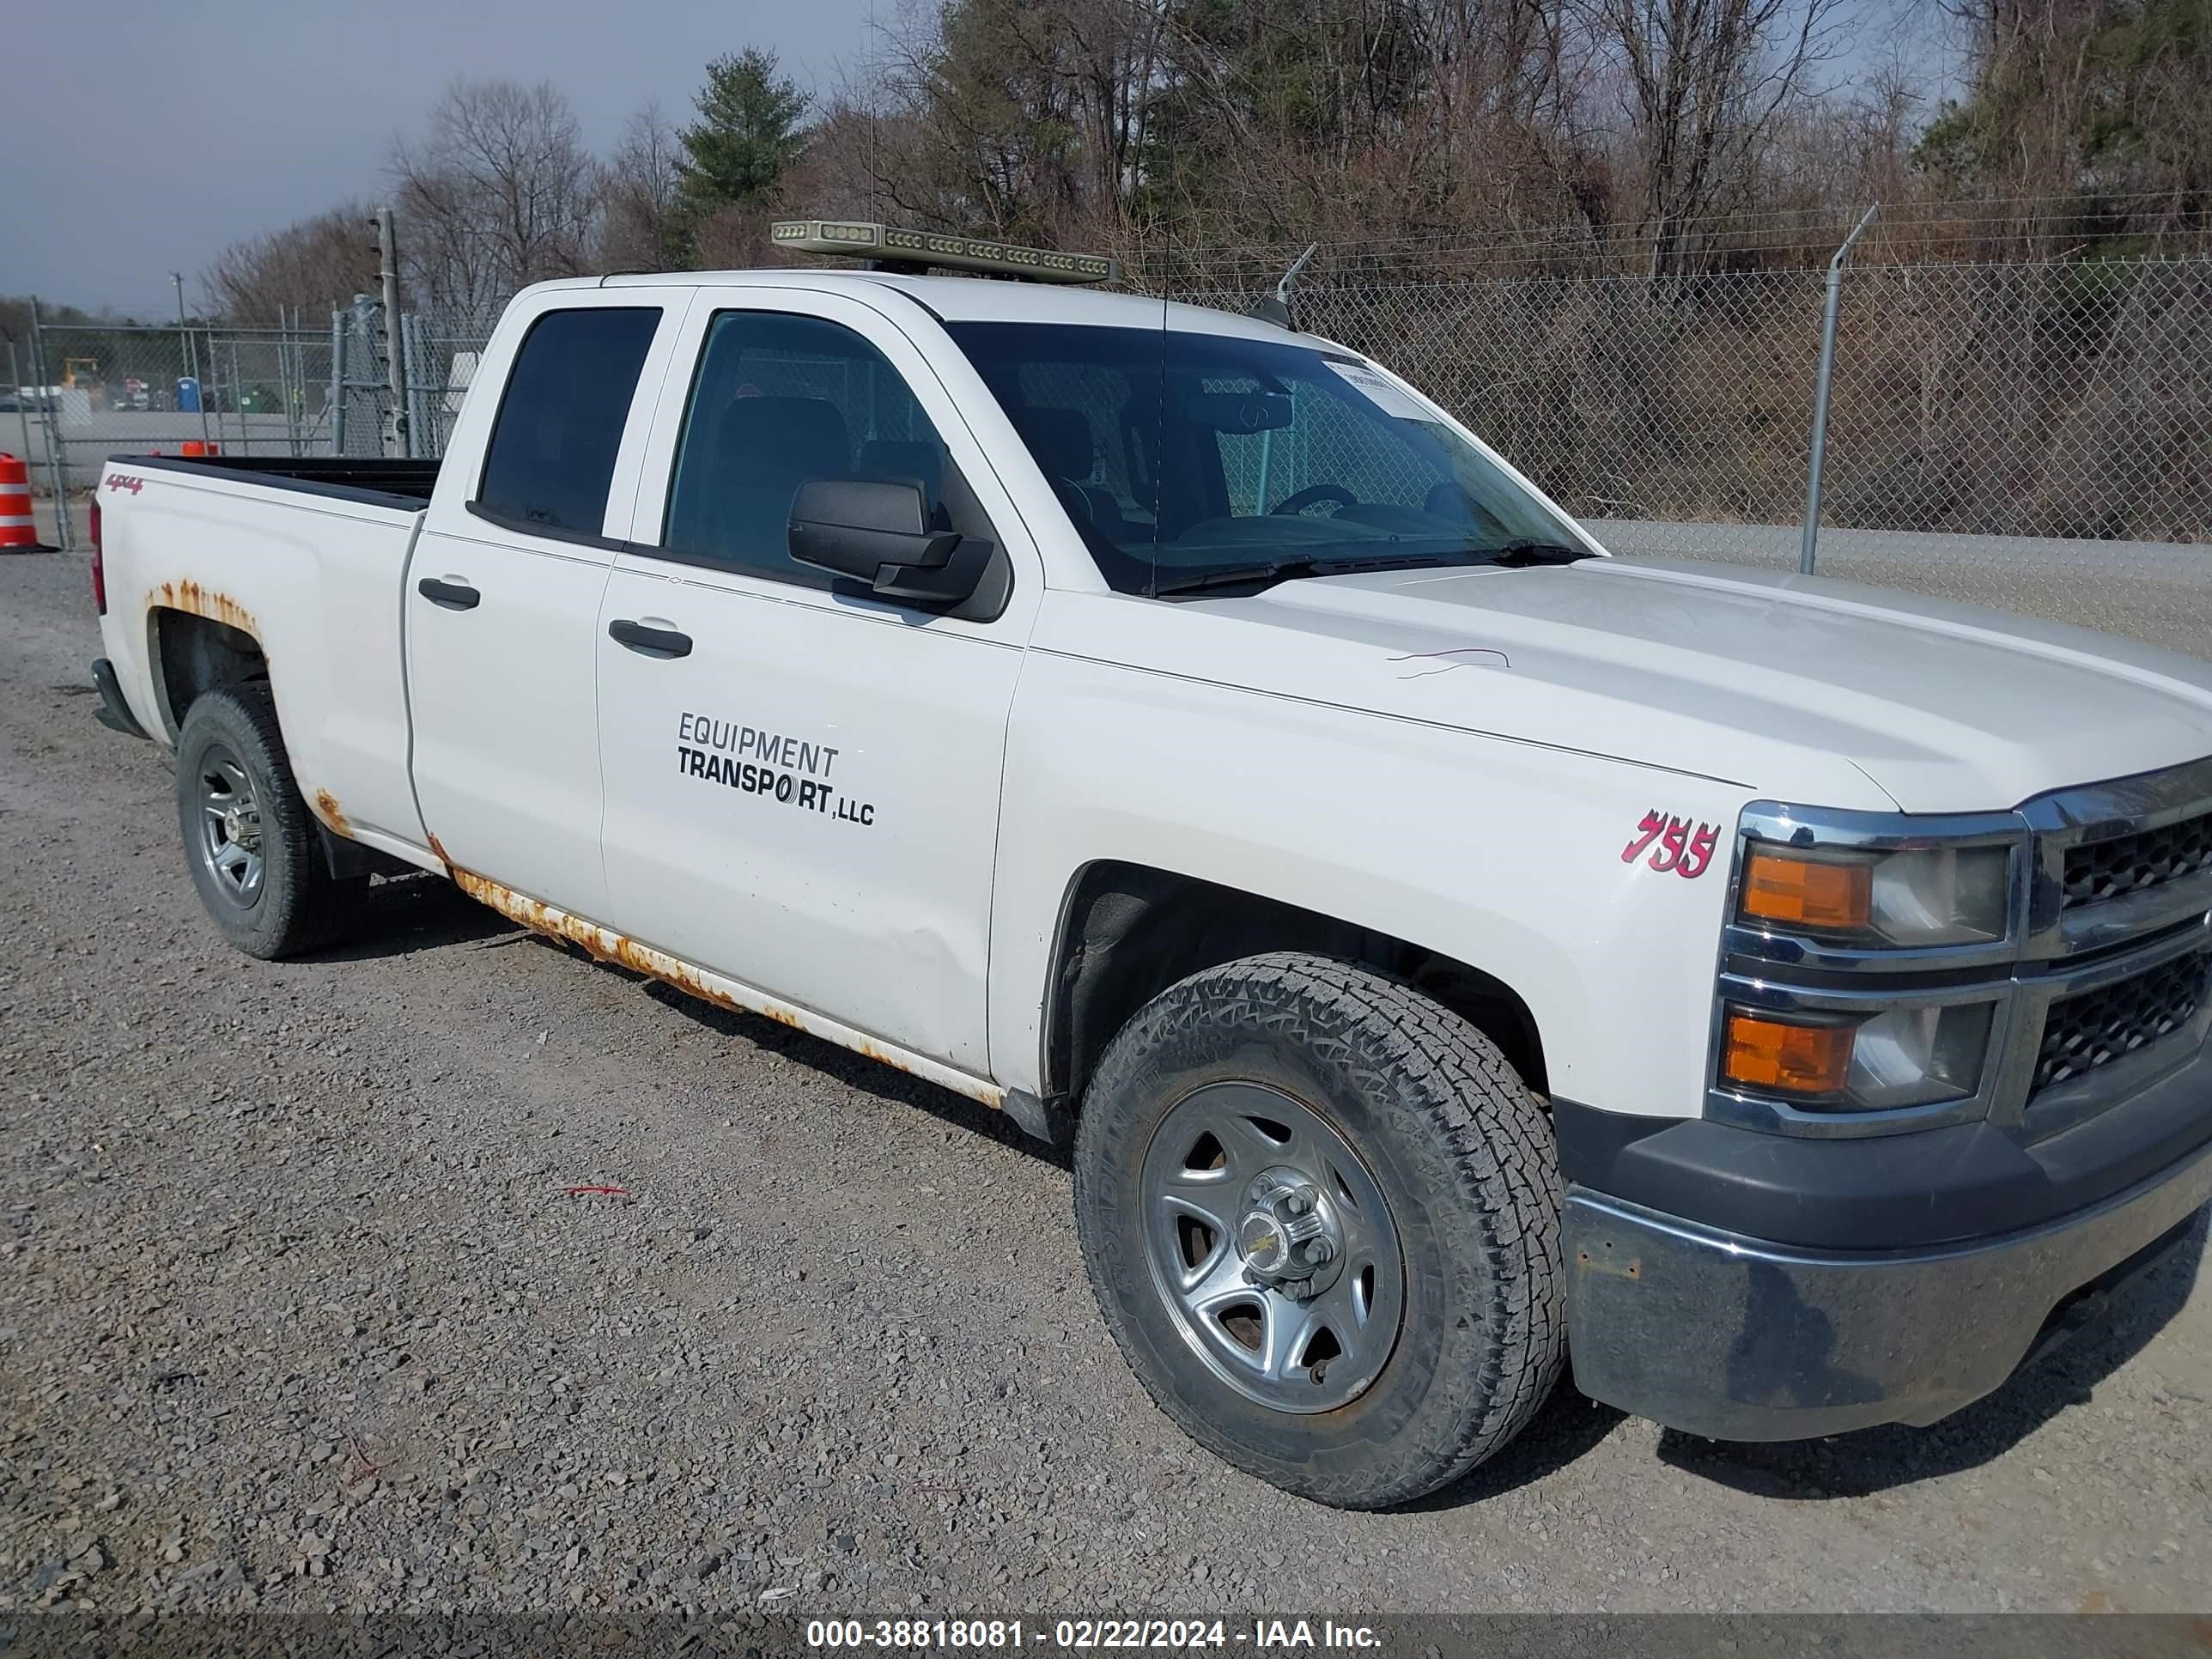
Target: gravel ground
296	1311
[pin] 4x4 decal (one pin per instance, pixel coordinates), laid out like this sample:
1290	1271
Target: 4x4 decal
1676	848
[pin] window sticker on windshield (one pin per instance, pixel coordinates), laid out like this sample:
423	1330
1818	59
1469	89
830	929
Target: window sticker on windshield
1380	393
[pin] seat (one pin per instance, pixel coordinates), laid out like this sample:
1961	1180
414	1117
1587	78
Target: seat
763	449
1066	451
921	459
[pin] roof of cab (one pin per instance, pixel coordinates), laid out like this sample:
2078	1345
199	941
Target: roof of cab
987	299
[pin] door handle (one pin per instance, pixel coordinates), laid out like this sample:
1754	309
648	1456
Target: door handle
650	642
454	596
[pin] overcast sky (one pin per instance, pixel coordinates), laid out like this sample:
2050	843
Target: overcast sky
150	139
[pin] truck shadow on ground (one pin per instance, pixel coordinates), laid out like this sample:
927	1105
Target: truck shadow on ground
856	1071
1871	1460
1567	1427
405	914
401	916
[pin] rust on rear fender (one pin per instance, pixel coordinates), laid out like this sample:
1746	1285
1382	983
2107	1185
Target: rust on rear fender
214	605
327	809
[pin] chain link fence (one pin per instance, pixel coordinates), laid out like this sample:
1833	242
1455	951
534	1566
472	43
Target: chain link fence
89	390
2032	435
85	391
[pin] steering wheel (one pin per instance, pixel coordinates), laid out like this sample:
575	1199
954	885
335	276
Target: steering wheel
1313	496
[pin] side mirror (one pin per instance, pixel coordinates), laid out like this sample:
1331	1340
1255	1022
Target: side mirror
877	532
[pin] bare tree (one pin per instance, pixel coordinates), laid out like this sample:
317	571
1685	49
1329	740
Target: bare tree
313	265
1704	83
2082	122
641	226
500	193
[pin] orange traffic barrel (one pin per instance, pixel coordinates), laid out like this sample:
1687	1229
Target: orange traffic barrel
17	527
200	447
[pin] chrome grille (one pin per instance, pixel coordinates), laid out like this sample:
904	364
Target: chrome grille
2082	1032
2100	870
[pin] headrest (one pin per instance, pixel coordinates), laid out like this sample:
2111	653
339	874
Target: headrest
919	459
777	443
1059	439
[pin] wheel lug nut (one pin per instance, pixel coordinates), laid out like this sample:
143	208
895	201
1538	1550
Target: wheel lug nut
1319	1250
1296	1204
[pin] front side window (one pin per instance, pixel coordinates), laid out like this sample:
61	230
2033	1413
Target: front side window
551	457
778	400
1179	454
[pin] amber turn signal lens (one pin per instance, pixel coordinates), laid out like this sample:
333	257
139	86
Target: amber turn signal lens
1796	1060
1803	892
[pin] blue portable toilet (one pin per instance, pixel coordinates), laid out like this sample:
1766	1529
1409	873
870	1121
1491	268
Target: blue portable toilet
188	396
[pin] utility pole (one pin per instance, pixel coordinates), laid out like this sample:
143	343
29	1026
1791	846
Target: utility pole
395	352
191	355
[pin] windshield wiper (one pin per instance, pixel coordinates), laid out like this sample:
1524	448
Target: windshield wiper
1238	575
1516	554
1522	552
1243	575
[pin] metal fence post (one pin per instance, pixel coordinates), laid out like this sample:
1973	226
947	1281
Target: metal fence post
338	382
1820	394
192	357
387	248
49	422
291	365
15	391
410	360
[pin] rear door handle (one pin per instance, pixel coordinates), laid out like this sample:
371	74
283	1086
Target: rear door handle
454	596
650	642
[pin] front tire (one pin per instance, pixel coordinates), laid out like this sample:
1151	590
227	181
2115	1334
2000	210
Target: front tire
1320	1215
250	841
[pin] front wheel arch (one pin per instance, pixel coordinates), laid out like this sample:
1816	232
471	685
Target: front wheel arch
1126	932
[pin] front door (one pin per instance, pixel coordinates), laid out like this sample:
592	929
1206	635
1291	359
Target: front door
806	799
502	598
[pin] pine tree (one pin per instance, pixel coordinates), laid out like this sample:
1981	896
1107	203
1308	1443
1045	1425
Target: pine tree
748	132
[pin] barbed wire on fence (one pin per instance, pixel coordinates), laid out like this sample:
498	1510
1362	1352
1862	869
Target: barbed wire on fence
2023	229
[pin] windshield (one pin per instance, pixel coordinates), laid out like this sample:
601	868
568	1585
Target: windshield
1180	454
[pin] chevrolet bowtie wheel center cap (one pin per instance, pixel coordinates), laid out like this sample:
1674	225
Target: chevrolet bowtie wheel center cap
1289	1237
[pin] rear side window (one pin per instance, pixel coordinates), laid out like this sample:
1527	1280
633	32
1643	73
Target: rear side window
560	419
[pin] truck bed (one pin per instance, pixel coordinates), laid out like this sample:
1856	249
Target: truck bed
301	561
405	484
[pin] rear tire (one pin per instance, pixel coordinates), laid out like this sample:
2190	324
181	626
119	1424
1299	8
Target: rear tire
1310	1091
252	846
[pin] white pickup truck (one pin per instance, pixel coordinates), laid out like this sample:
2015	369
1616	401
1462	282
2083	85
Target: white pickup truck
1450	950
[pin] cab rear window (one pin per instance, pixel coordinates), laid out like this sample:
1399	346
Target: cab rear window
559	423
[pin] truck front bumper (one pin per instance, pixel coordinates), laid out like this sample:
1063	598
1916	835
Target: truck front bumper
1739	1338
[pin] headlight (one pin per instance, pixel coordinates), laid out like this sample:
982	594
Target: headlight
1908	1056
1920	897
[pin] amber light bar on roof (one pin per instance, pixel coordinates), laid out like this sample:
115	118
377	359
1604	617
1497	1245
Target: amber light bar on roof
855	238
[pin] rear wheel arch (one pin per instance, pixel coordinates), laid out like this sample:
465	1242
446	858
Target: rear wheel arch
1128	931
191	655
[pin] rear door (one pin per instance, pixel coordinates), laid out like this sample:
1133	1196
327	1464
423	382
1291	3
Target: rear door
502	596
807	799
